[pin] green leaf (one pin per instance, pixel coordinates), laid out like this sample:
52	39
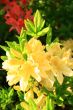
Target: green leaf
6	98
42	24
4	58
22	44
13	45
11	92
49	104
29	26
43	32
5	48
25	56
31	33
18	107
56	39
35	30
22	39
20	95
32	105
45	90
49	36
22	35
2	12
38	21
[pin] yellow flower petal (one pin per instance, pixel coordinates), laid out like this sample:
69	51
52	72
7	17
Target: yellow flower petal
34	45
24	105
17	88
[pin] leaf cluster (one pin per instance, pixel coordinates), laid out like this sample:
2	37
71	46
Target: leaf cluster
58	13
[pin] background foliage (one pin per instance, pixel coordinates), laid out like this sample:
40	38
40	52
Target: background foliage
58	13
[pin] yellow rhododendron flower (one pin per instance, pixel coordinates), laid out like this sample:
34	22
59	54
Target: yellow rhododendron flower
54	49
68	44
20	70
24	105
41	65
60	68
29	95
60	61
34	45
39	58
12	66
17	88
27	70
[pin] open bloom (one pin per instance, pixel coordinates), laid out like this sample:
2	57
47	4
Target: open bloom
68	44
43	66
60	60
20	70
37	55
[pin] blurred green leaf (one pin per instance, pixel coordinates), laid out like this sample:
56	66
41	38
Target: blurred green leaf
49	36
32	105
20	95
22	39
49	104
2	12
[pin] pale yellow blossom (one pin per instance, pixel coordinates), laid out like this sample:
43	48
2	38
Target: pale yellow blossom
29	95
54	49
41	65
20	70
17	88
68	44
60	61
34	45
24	105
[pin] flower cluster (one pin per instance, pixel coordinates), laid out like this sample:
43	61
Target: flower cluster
32	66
15	14
43	66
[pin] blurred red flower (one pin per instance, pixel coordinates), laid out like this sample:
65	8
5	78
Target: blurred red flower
15	15
28	14
23	1
4	1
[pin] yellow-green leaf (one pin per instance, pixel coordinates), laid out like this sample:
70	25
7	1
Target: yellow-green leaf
43	32
37	20
29	26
